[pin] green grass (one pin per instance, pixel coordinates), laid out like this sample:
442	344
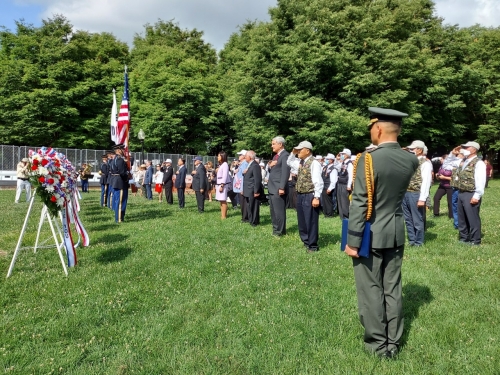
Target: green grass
173	291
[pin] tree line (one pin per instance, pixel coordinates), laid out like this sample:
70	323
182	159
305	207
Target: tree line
308	73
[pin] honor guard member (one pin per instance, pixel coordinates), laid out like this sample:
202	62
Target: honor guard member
309	188
378	277
109	187
344	183
471	181
329	195
416	195
103	180
119	183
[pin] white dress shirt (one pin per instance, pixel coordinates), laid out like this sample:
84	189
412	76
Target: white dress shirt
426	173
333	179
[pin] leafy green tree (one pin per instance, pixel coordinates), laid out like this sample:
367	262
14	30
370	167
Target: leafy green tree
174	90
55	84
313	70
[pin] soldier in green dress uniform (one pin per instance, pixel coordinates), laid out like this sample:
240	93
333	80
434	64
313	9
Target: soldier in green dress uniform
378	277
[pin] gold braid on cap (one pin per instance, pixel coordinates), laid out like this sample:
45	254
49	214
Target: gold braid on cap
369	181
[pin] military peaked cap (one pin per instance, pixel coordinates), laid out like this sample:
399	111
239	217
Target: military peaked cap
385	115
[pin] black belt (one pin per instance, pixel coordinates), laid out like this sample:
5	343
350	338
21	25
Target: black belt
24	179
465	191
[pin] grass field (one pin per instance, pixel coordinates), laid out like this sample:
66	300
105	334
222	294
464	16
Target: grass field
173	291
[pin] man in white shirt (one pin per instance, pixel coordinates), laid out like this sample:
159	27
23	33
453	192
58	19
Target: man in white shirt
416	195
309	188
471	178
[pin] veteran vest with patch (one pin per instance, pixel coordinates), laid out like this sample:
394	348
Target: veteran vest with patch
326	175
454	177
416	180
466	181
344	173
304	178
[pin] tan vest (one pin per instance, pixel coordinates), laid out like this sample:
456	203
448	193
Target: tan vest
466	181
304	178
416	180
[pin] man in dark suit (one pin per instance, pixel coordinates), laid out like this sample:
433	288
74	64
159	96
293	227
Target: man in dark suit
148	179
180	181
168	172
277	185
252	188
200	182
119	182
378	277
103	180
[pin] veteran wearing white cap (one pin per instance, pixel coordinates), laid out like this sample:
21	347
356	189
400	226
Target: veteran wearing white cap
329	194
309	188
416	195
471	179
344	183
238	184
168	174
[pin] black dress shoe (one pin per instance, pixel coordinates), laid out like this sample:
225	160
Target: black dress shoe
390	354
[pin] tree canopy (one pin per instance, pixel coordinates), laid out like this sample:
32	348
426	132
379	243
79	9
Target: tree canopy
309	73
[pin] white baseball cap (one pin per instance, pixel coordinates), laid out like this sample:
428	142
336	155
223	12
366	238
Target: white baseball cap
417	144
168	161
318	157
330	156
472	144
242	152
304	144
346	151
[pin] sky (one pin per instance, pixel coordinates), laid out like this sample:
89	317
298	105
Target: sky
218	19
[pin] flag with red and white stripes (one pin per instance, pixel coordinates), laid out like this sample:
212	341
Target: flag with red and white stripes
124	117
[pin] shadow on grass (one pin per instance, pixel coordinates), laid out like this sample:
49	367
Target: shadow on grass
114	255
414	297
430	236
147	215
112	238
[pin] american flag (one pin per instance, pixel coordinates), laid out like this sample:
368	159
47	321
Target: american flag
124	117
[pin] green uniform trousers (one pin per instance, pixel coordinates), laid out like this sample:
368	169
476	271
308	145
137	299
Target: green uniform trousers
380	301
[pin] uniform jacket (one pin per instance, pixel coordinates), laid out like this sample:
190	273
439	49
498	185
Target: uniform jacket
180	179
279	174
167	176
104	174
252	181
200	179
119	172
392	169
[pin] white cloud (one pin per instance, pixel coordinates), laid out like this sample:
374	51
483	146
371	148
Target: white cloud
218	19
469	12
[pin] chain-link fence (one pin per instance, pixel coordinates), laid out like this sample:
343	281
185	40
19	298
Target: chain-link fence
10	156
